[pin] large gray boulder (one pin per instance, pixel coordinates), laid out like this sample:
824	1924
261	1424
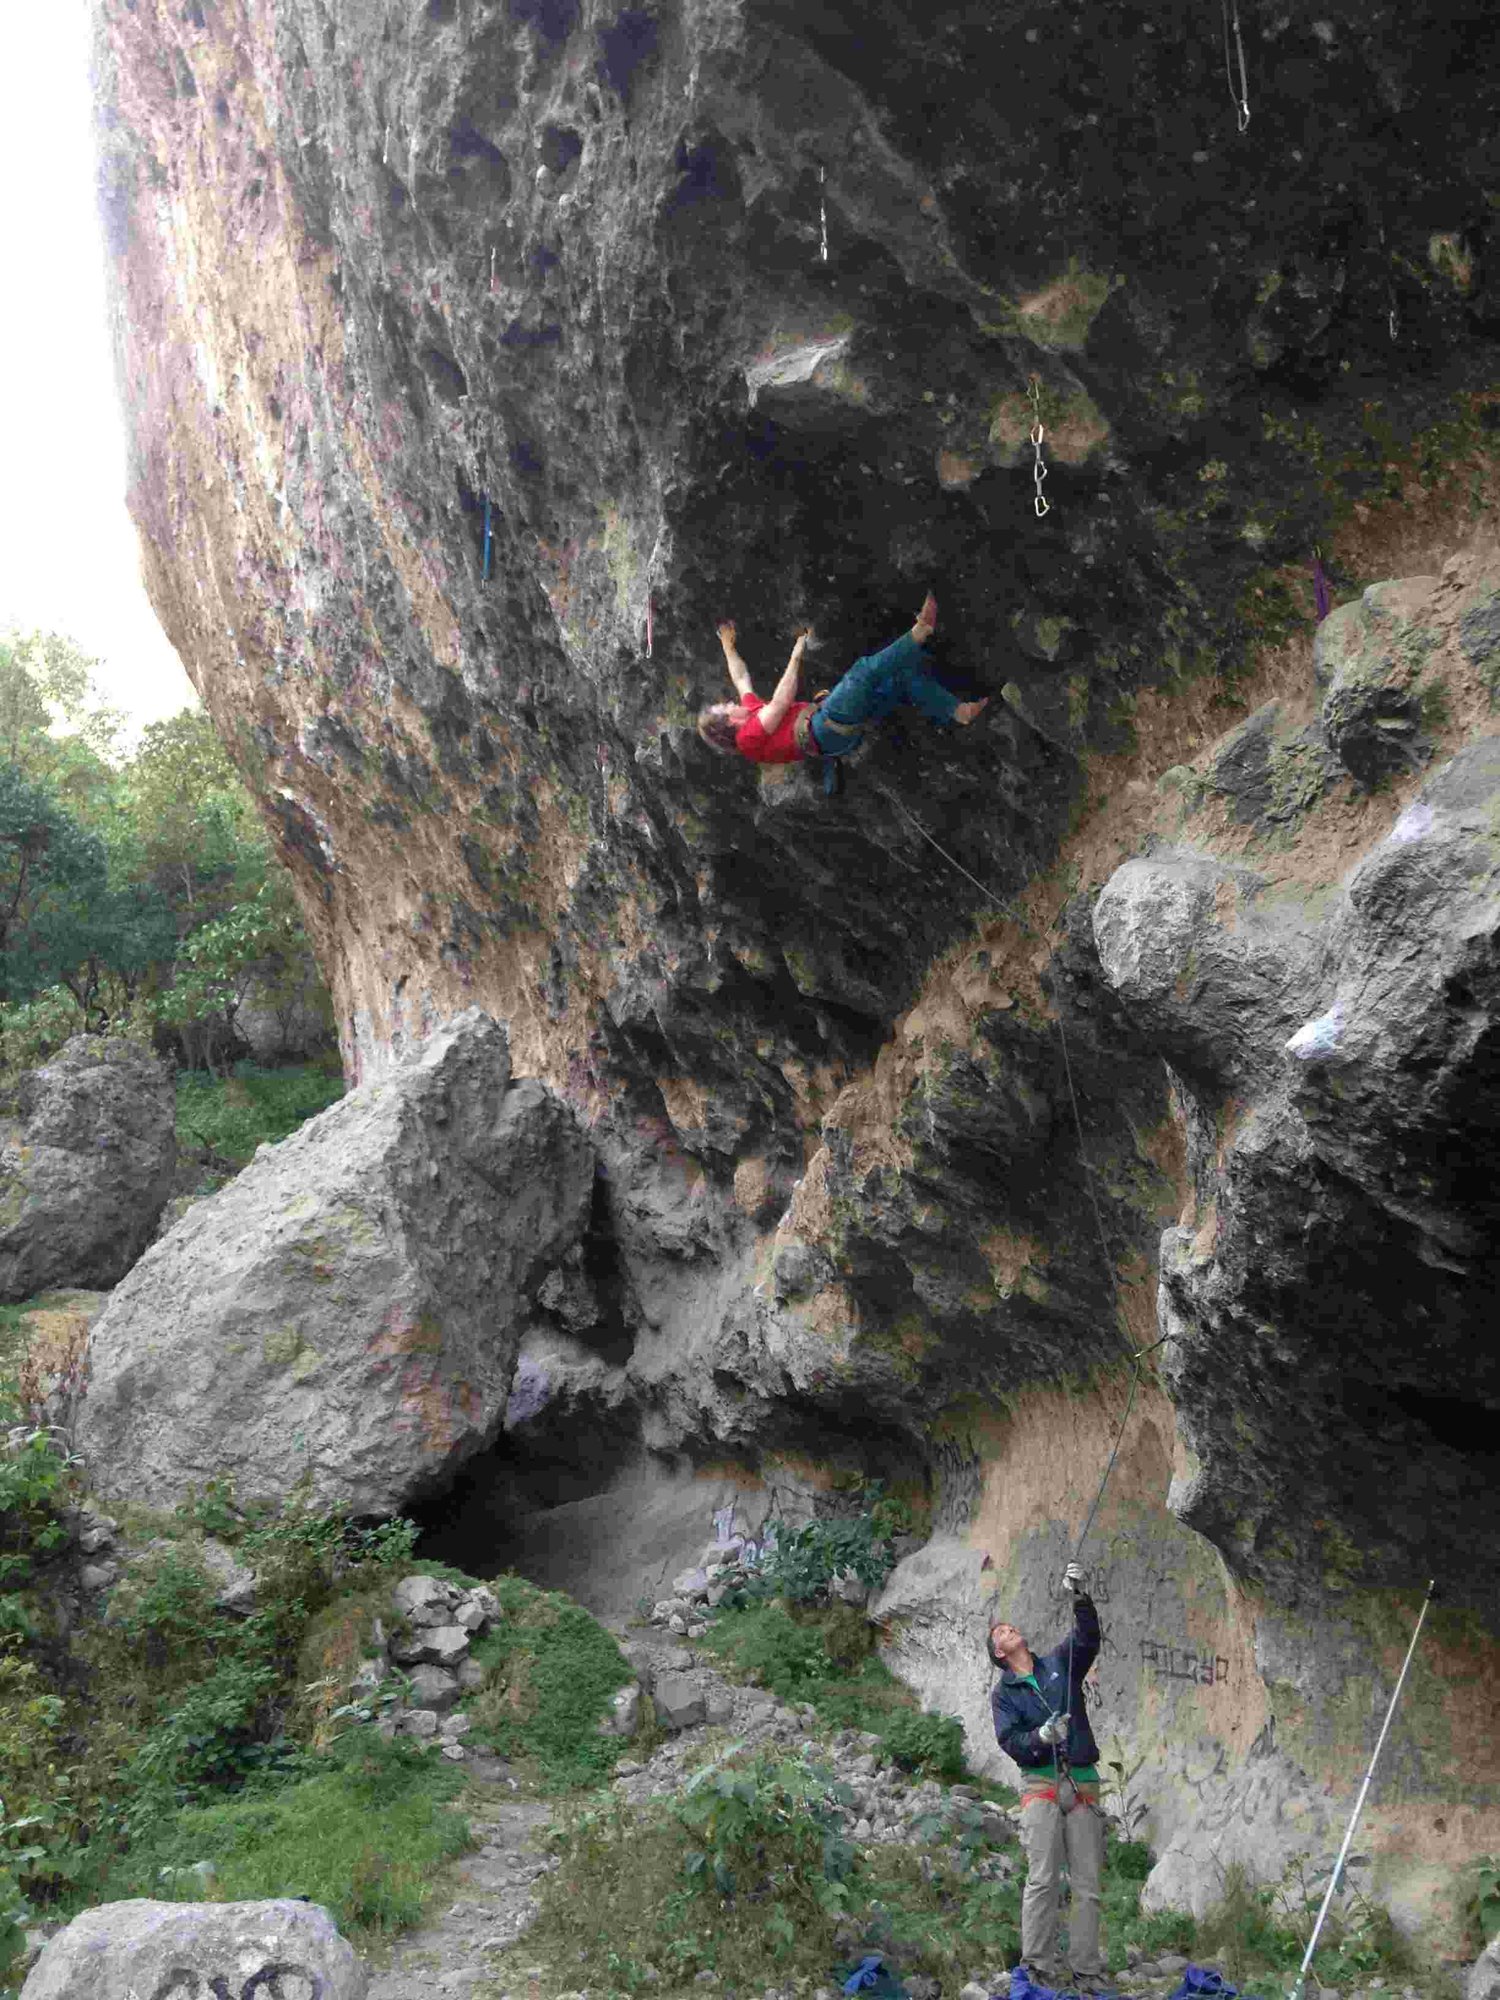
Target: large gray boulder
81	1189
347	1311
143	1950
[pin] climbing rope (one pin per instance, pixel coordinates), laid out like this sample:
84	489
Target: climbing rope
1039	468
1140	1355
822	216
1240	98
489	539
1333	1880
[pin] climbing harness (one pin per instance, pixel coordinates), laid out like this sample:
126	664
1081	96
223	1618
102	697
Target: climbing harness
488	538
822	216
1039	469
1240	98
1333	1880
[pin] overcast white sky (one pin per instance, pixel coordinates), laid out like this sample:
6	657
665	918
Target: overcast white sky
68	560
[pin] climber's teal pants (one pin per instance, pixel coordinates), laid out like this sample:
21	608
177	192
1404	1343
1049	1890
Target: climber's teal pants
896	677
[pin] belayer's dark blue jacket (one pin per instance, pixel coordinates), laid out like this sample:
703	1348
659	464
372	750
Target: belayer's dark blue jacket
1020	1711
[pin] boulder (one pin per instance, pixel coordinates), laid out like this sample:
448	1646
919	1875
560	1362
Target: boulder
414	1594
1371	657
347	1312
235	1580
624	1717
444	1645
680	1703
81	1190
434	1688
122	1951
1482	1981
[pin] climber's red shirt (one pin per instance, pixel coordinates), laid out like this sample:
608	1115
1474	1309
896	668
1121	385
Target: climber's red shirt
751	740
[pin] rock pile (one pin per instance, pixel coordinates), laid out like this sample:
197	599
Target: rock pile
426	1654
721	1568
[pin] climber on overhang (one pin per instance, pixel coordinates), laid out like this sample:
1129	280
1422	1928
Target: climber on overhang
785	730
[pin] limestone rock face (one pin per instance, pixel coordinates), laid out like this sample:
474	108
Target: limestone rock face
350	1306
1336	1279
122	1950
81	1189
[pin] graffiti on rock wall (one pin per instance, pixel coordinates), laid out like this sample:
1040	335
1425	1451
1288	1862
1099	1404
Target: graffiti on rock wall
276	1981
1184	1663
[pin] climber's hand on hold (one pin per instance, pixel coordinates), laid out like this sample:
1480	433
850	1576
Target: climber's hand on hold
1073	1578
970	711
1054	1730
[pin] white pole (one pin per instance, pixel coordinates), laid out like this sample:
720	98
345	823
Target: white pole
1338	1866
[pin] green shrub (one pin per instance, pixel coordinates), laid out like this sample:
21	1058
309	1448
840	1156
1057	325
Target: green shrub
1483	1903
208	1740
766	1644
803	1562
931	1744
1132	1859
252	1107
768	1828
361	1833
551	1672
35	1473
824	1656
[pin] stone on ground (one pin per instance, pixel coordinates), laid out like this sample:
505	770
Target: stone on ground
123	1951
346	1312
1483	1980
81	1189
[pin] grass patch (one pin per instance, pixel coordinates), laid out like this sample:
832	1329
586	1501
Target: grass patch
251	1107
550	1672
825	1656
361	1834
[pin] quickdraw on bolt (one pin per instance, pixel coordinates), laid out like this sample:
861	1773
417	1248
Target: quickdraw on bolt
1038	433
1240	98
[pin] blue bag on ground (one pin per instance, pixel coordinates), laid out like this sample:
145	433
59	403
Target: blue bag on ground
874	1977
1201	1982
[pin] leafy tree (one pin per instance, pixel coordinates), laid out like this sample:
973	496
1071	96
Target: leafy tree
53	888
55	725
194	823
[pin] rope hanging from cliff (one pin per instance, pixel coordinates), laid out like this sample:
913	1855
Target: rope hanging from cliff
1022	923
1333	1880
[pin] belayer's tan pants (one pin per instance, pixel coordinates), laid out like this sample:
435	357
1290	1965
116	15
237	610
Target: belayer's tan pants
1051	1838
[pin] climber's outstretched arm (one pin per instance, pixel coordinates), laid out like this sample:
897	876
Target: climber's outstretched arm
775	711
739	673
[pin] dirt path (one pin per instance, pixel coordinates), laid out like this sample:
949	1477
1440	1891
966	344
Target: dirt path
487	1904
490	1904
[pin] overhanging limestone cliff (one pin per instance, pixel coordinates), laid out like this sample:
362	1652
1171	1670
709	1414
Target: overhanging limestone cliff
385	273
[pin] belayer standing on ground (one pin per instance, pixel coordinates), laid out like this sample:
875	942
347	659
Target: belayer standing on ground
786	730
1040	1721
